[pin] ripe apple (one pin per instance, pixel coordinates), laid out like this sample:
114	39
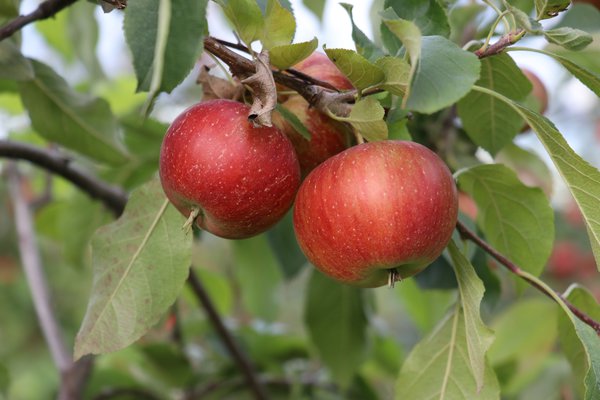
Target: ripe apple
564	260
539	90
240	178
319	66
376	209
328	137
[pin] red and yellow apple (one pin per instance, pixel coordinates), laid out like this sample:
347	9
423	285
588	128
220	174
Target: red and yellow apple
538	91
376	208
328	137
241	179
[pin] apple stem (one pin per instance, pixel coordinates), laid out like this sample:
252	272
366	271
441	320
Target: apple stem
187	226
393	277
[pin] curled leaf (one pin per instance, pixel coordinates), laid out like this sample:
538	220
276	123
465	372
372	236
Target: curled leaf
264	91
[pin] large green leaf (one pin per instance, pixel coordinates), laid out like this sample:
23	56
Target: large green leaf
13	65
361	72
259	276
580	356
165	38
279	25
444	75
479	337
428	15
78	122
591	79
490	122
140	263
537	317
364	46
582	178
246	17
438	367
337	323
516	219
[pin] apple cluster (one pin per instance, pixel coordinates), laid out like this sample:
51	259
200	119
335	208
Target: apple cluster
363	214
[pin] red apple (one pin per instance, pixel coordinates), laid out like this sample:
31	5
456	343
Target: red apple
376	208
328	137
319	66
539	90
241	178
564	260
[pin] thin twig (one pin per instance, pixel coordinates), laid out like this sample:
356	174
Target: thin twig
32	266
236	353
45	10
467	234
73	375
113	197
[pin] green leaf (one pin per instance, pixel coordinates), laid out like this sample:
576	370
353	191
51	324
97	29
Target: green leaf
71	119
294	121
140	263
550	8
488	121
259	276
425	307
279	26
527	165
83	32
246	18
463	17
444	75
438	367
580	356
4	380
316	6
428	15
291	54
367	118
285	247
165	38
364	46
397	74
588	78
360	71
581	16
537	317
516	219
581	178
13	65
336	319
569	38
479	337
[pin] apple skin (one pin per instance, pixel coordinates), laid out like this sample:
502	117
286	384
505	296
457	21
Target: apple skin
319	66
375	207
242	178
328	137
539	89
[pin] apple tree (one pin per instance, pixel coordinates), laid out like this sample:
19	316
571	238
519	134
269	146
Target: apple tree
221	209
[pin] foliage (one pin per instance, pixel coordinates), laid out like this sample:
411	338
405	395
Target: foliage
444	74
